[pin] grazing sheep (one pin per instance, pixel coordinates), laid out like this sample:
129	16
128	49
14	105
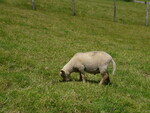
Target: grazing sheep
93	62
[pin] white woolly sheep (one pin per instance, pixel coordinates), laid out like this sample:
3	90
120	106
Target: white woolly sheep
93	62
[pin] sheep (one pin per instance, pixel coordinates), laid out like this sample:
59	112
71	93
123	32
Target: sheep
93	62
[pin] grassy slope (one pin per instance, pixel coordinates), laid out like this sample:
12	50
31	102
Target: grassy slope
34	46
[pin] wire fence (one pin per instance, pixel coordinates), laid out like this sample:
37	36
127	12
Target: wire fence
115	9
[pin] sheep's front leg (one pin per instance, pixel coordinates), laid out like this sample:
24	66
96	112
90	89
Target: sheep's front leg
82	78
105	78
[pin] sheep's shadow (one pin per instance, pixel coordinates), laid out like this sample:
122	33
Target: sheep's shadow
93	81
97	82
87	81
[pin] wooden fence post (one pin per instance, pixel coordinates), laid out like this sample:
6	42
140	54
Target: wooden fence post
114	10
33	6
147	7
73	7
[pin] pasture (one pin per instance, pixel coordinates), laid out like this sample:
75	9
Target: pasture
35	45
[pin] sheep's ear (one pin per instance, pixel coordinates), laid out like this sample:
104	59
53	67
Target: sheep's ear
62	72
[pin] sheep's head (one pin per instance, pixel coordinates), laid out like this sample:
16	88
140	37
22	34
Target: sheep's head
64	75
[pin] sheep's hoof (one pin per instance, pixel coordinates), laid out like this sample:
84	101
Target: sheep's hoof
101	83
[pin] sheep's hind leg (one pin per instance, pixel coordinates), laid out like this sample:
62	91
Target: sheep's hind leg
105	79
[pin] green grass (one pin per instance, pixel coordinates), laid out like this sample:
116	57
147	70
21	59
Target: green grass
35	45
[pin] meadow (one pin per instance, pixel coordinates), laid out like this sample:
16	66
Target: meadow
36	44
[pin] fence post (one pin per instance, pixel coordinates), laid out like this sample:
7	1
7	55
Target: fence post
147	7
73	7
114	10
33	7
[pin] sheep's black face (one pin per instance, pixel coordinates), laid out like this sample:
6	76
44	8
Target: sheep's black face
63	75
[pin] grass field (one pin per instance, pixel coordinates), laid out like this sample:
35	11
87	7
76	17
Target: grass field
35	45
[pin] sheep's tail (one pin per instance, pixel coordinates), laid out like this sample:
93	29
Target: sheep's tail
114	66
